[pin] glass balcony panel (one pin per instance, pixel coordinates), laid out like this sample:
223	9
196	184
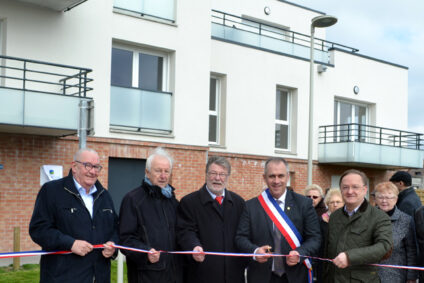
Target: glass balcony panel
39	109
138	108
157	8
53	111
250	38
11	106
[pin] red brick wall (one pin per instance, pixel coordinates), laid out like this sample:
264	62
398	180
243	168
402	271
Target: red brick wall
22	156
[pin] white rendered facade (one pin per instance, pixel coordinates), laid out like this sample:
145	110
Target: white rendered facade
85	36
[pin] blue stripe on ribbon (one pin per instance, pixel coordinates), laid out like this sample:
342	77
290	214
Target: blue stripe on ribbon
285	217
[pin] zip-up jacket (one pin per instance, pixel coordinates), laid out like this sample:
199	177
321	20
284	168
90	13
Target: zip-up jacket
147	220
59	218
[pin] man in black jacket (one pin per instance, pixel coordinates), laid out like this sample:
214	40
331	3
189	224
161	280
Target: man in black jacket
74	213
207	221
147	221
408	200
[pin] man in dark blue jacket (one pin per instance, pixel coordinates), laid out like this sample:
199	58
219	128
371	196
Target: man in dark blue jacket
73	214
408	200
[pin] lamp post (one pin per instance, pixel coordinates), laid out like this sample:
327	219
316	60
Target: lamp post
317	22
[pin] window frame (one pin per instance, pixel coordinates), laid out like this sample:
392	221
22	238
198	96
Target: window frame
337	113
166	87
135	65
287	122
217	111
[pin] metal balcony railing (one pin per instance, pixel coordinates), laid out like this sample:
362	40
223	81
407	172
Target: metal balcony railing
273	38
354	132
38	76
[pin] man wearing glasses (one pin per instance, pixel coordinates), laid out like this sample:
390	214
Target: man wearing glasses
207	220
359	234
73	214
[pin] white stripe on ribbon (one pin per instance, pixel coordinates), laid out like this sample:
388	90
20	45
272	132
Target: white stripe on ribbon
280	219
283	223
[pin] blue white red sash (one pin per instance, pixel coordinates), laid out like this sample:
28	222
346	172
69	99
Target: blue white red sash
283	223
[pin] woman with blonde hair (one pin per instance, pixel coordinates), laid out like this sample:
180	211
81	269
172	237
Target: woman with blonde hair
404	248
333	200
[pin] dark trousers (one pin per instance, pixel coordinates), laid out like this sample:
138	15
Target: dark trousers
277	279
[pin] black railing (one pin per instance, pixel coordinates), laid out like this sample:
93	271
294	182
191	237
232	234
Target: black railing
276	32
354	132
44	77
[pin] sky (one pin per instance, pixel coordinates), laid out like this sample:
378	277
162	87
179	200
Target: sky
390	30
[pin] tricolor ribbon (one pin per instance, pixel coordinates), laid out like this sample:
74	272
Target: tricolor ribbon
36	253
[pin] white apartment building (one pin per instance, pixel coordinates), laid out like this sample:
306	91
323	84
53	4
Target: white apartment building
199	78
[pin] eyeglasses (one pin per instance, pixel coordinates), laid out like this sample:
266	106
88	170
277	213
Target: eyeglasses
335	202
384	197
88	166
314	197
221	175
354	187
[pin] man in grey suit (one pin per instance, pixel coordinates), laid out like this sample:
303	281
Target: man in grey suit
257	233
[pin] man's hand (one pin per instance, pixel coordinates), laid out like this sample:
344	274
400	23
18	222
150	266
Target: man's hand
81	247
293	258
108	249
263	250
153	255
341	261
198	257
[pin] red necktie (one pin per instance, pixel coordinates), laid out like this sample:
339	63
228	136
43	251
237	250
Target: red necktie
219	199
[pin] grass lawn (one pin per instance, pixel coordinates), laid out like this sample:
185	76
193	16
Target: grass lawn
30	273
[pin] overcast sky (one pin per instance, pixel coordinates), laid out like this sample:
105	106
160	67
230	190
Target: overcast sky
390	30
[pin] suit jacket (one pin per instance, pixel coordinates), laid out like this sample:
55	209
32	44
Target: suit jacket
255	230
201	221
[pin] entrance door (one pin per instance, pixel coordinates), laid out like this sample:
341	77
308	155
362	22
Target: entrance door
125	174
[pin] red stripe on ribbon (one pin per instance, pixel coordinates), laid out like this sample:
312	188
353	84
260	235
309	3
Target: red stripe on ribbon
276	222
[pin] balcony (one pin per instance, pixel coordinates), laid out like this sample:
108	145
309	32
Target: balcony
269	38
139	110
41	98
57	5
163	10
370	146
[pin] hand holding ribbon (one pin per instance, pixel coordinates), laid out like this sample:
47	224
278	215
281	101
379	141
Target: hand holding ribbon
200	256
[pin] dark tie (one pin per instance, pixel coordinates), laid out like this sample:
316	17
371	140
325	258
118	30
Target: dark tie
278	261
219	199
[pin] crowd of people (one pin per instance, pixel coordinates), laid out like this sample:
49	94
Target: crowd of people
75	213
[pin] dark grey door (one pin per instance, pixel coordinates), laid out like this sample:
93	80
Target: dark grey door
125	174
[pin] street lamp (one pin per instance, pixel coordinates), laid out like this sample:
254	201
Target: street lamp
317	22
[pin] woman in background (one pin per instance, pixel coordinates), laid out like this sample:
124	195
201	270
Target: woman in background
404	250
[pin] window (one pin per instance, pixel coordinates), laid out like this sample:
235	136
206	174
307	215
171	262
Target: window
216	110
353	114
282	119
139	93
137	69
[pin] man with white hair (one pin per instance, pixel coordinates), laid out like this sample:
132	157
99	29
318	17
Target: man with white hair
147	220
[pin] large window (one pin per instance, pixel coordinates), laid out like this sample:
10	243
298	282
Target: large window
350	116
282	119
139	93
